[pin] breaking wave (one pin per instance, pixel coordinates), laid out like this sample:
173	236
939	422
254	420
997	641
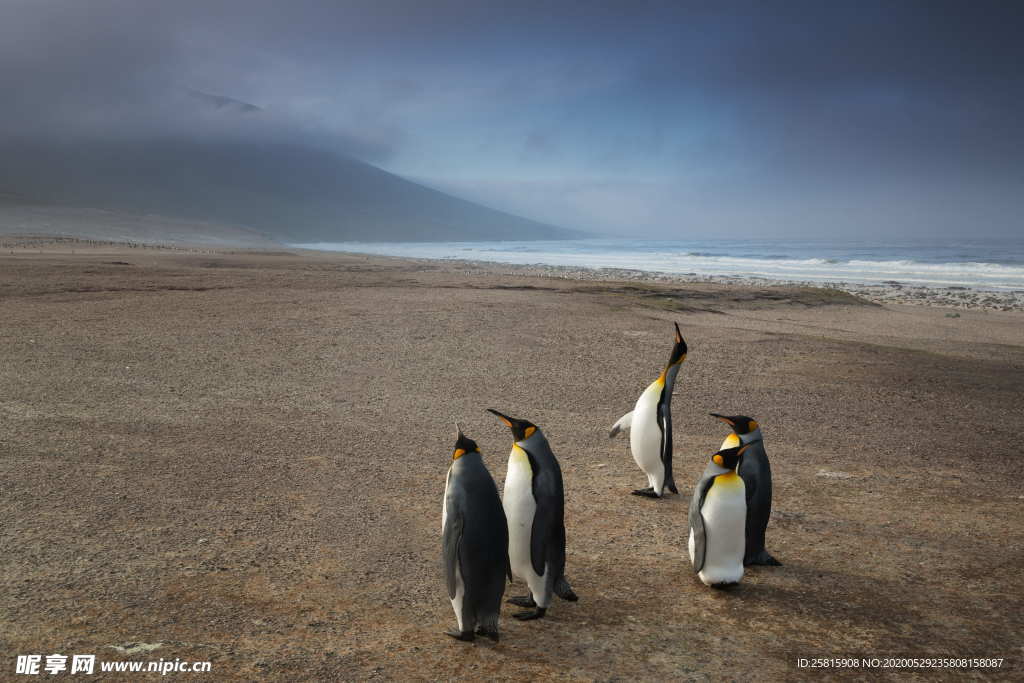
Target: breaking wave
922	265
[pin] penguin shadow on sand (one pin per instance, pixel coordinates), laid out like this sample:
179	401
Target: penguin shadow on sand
869	608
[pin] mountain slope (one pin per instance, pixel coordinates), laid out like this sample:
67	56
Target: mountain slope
292	192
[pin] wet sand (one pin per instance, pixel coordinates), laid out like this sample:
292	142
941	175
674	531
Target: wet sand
241	457
892	292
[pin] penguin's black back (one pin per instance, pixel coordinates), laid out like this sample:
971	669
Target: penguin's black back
475	510
756	473
547	537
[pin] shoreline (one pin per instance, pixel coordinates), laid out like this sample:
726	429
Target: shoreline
956	297
953	297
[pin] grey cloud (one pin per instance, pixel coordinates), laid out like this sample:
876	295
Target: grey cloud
765	114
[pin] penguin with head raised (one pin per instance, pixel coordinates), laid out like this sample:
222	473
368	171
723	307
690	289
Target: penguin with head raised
650	426
757	477
534	501
475	543
718	513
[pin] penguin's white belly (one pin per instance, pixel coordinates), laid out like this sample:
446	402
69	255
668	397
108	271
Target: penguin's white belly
444	501
725	514
520	508
645	435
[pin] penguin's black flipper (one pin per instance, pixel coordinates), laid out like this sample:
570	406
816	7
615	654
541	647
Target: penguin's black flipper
544	518
624	422
452	539
665	422
697	521
749	486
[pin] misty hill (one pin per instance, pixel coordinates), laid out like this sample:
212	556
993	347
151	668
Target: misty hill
290	192
22	217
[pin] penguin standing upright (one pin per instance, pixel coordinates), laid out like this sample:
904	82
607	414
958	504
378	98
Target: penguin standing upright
475	542
534	502
650	425
757	477
718	512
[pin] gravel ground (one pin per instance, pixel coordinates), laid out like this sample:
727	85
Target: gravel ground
240	458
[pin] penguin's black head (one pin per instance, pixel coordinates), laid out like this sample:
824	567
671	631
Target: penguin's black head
463	445
741	424
728	458
521	429
679	350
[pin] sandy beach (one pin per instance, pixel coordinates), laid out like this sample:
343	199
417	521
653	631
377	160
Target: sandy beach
240	457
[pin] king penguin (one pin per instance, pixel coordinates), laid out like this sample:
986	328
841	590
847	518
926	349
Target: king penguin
475	542
757	477
718	512
650	425
534	501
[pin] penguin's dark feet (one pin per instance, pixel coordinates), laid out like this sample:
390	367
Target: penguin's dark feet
466	636
522	601
530	616
724	586
493	635
762	558
564	590
646	493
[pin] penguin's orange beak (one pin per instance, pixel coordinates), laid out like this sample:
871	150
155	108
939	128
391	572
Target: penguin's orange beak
503	418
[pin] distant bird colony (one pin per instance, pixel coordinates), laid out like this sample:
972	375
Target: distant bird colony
522	535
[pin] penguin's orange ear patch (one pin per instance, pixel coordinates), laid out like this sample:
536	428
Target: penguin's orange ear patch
529	431
752	426
459	452
718	460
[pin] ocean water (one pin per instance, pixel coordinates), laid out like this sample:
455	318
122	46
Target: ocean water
990	265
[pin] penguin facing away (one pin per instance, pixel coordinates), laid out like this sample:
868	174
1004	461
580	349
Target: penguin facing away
475	543
650	426
534	502
757	477
718	512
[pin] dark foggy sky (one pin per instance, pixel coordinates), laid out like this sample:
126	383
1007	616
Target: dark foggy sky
895	119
